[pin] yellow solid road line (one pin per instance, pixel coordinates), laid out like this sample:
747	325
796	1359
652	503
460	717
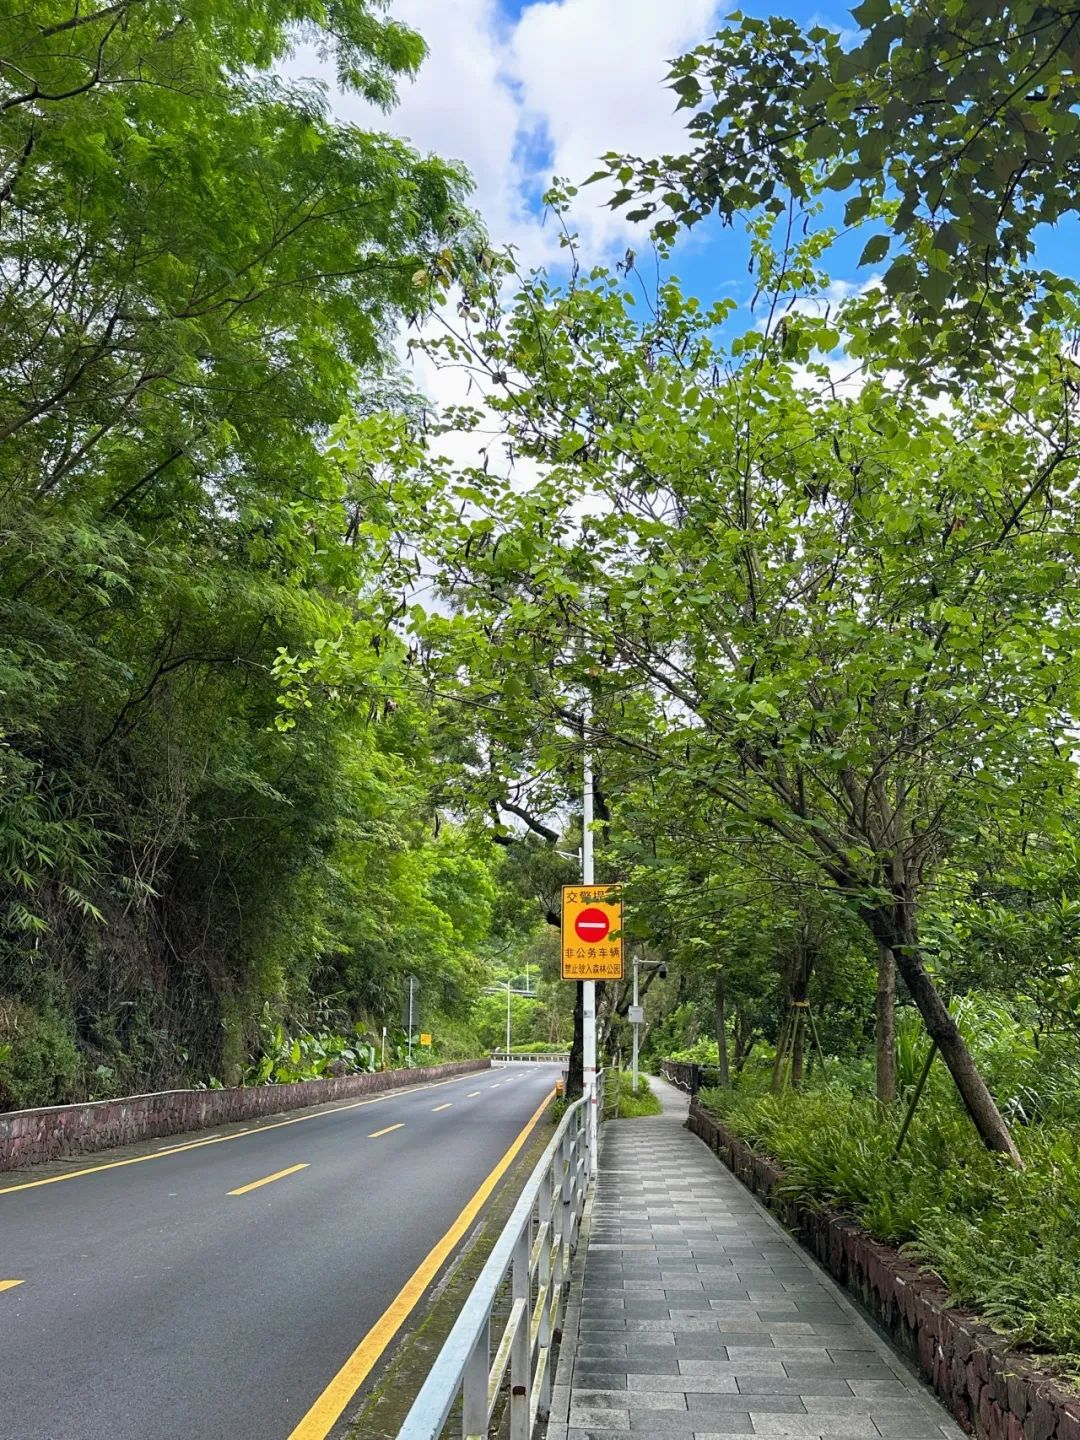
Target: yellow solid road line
327	1410
442	1107
268	1179
220	1139
9	1284
376	1133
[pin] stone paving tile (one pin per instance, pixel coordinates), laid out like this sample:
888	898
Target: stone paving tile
694	1317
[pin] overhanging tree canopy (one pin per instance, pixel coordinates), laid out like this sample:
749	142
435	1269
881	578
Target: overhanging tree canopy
845	620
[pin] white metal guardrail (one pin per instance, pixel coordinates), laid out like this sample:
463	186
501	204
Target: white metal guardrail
542	1058
533	1252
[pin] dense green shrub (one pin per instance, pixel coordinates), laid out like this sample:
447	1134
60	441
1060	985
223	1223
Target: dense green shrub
701	1052
38	1058
1005	1242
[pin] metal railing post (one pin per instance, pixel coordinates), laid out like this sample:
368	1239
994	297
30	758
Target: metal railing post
568	1168
474	1388
545	1288
544	1270
521	1349
559	1207
580	1158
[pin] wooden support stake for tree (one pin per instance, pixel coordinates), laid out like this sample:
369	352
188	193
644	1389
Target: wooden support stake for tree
781	1049
919	1088
817	1038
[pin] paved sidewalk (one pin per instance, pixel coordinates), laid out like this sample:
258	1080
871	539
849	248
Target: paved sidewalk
696	1315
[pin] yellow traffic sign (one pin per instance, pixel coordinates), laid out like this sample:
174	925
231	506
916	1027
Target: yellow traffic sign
592	948
425	1039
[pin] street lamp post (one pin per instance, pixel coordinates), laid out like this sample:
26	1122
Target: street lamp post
508	985
636	1016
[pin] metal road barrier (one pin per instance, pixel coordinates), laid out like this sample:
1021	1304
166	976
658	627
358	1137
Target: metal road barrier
688	1077
533	1253
543	1058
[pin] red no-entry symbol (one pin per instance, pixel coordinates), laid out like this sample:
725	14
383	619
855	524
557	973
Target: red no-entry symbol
592	925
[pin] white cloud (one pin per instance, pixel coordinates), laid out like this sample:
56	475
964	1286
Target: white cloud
591	76
521	100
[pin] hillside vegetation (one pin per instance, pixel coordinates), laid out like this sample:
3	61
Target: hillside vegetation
204	873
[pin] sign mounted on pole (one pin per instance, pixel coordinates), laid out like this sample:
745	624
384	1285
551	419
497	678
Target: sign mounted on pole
592	948
425	1038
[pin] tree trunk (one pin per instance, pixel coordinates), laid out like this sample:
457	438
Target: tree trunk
798	1046
885	1025
895	927
799	990
721	1030
575	1075
781	1048
744	1039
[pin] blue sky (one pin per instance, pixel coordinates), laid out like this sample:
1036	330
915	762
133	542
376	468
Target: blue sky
519	89
713	262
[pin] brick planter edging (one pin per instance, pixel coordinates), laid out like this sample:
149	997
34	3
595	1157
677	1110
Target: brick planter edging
993	1391
29	1136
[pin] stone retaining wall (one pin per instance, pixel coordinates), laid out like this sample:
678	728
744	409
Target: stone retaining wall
29	1136
994	1392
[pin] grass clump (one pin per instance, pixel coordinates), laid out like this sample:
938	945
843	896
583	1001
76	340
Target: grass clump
631	1106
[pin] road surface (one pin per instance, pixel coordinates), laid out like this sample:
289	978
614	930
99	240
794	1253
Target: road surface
239	1288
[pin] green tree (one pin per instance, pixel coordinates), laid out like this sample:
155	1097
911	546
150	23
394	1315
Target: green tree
840	621
951	129
201	275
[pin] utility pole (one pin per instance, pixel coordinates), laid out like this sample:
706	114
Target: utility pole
588	987
508	984
411	979
635	1026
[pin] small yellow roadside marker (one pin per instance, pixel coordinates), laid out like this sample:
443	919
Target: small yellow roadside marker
9	1284
268	1179
375	1134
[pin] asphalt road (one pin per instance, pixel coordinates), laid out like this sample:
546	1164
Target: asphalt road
157	1304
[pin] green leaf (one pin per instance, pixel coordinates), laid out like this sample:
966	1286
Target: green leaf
875	249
